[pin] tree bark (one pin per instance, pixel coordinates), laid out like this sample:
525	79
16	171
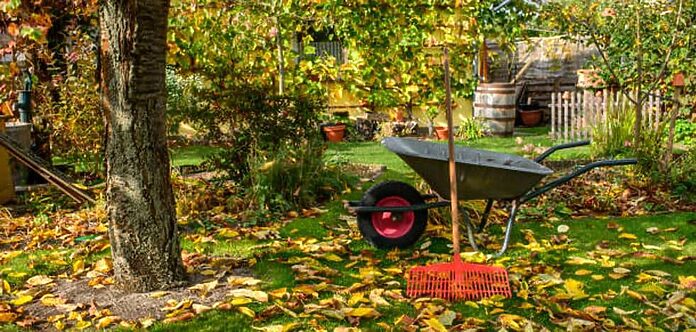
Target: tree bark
140	202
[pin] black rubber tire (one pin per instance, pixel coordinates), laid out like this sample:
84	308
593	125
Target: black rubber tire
386	189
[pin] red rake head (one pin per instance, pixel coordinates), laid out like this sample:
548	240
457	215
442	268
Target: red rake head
458	281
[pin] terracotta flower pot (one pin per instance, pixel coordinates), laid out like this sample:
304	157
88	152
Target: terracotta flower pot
531	118
441	132
335	133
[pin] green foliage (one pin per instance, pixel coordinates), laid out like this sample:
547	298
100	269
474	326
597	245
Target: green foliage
75	119
614	135
291	178
183	98
642	43
471	129
272	149
685	132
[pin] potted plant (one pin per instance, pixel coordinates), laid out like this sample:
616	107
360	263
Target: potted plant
530	114
335	130
442	132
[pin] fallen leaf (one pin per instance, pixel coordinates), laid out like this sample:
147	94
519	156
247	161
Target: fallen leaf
252	294
362	312
627	236
435	325
22	300
247	311
39	280
583	272
278	328
106	321
8	317
199	308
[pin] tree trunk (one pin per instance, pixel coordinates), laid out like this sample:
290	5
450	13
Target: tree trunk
140	203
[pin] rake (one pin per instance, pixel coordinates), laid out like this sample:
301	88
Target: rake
456	280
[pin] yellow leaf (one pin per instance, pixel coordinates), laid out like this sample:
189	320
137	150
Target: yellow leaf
83	324
332	257
635	295
204	288
377	299
147	322
597	277
228	233
24	299
6	289
252	294
247	311
435	325
278	293
627	236
363	312
278	328
158	294
356	298
472	304
78	266
580	261
574	288
240	301
51	300
39	280
583	272
103	265
687	282
393	270
59	325
106	321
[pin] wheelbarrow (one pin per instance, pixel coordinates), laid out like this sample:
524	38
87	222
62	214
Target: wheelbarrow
393	214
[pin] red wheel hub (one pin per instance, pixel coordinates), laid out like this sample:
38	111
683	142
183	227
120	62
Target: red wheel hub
393	224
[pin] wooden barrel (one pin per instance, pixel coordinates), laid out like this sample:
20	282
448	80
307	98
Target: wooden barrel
494	103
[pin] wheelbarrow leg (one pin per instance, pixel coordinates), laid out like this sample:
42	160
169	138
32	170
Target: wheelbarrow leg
508	230
484	218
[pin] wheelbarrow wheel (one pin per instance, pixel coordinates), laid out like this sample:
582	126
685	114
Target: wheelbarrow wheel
386	230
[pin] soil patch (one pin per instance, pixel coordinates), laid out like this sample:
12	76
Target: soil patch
79	296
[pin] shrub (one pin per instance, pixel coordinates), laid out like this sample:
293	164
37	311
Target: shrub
183	99
685	132
613	136
272	149
76	123
471	129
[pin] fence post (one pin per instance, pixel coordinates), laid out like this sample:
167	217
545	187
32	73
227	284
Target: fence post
564	118
553	115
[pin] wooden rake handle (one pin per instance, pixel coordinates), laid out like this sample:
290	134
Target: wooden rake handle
452	164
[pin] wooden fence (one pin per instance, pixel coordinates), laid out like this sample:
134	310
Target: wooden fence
575	113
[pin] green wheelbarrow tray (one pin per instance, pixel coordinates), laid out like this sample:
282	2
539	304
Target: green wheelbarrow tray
480	175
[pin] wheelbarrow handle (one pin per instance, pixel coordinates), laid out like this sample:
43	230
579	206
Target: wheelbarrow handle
555	148
576	173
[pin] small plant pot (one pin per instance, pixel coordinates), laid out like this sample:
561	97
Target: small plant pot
531	118
335	133
441	132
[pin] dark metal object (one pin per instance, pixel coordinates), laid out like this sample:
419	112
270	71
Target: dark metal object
24	101
481	175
